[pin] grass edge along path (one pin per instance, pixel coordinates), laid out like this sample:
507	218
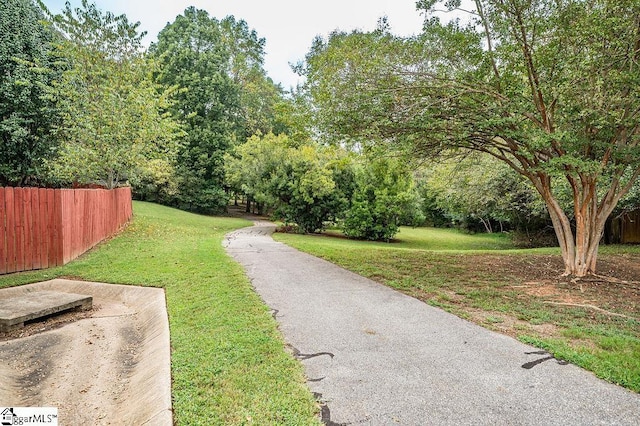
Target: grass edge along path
494	289
228	359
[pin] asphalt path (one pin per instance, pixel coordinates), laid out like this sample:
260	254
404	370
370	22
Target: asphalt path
374	356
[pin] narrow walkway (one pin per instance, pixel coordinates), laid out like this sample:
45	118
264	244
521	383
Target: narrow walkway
374	356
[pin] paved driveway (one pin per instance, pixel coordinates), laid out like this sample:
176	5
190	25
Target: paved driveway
374	356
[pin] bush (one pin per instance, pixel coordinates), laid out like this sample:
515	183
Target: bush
384	198
303	184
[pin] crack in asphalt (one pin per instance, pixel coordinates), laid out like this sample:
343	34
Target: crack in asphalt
531	364
302	357
325	412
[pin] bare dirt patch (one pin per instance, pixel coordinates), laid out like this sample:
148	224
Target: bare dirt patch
106	366
617	289
537	279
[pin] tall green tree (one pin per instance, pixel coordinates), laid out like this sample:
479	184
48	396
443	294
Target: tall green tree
28	113
258	93
550	87
225	97
114	115
194	57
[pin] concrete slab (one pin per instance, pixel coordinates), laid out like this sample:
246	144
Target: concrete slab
111	366
15	311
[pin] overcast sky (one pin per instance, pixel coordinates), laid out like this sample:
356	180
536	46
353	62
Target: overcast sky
288	26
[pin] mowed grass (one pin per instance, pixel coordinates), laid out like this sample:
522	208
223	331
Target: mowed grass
436	239
482	278
228	360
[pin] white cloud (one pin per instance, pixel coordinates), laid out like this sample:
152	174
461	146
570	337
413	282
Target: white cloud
288	26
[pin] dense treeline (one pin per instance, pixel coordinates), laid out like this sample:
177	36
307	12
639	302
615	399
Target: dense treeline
522	116
82	102
28	115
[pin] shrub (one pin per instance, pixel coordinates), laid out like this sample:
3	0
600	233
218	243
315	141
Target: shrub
385	197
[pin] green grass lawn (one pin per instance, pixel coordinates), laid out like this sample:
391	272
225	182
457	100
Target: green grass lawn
482	278
228	361
447	240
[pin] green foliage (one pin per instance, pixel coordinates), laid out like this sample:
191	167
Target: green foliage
481	190
28	113
157	182
309	185
293	116
298	182
550	88
385	197
192	56
114	119
225	97
259	95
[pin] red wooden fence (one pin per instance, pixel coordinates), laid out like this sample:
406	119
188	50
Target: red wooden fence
42	228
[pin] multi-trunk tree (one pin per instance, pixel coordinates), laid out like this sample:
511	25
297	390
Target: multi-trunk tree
550	87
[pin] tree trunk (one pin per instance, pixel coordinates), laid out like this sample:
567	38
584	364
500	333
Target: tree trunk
579	248
111	180
487	225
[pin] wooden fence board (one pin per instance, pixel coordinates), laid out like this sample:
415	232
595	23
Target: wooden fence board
10	239
19	221
75	225
3	245
56	239
26	228
631	228
66	206
42	228
34	229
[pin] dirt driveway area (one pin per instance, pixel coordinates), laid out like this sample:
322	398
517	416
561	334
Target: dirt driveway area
106	366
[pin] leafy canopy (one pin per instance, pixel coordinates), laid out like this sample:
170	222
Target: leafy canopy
224	97
28	113
550	87
115	118
304	184
385	197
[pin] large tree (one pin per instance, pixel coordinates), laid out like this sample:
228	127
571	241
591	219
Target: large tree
259	95
194	57
550	87
28	112
114	115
